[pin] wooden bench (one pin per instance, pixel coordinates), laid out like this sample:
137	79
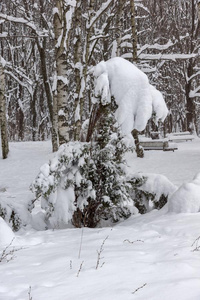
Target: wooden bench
181	136
180	133
158	145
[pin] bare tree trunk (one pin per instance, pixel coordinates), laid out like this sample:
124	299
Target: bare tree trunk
190	104
54	131
86	60
199	10
139	149
77	60
134	32
119	27
49	96
95	115
20	115
3	121
43	58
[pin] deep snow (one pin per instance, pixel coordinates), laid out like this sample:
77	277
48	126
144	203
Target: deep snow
146	257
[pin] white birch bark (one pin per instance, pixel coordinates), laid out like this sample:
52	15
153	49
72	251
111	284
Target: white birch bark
61	31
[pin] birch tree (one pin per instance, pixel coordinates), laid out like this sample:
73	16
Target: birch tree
63	15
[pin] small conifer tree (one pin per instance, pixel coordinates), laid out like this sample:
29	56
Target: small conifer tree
93	171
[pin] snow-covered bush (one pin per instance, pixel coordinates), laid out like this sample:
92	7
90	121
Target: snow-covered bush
85	182
187	198
16	215
150	191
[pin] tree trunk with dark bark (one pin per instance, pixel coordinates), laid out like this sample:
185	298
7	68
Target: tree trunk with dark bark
3	121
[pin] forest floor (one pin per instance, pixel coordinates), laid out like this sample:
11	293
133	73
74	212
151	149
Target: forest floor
147	257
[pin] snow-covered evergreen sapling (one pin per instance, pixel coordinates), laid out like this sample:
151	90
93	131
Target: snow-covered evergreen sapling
108	176
85	182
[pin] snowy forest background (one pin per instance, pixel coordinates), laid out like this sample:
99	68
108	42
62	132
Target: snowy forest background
48	49
85	213
68	72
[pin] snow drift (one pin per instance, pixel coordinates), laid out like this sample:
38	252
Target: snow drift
187	198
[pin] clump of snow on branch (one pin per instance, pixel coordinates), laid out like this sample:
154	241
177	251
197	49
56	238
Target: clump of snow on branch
2	61
135	97
150	190
102	88
54	184
159	105
157	184
187	198
16	215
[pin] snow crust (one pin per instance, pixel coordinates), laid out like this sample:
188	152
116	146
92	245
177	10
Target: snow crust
135	97
187	198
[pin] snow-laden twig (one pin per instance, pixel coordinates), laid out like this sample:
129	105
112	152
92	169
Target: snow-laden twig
8	254
102	9
39	32
79	254
132	242
29	294
139	288
99	253
196	244
70	264
80	268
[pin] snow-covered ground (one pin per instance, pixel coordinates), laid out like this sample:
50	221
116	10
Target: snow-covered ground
179	166
146	257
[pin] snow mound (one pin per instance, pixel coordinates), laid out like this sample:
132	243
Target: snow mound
38	221
187	198
133	94
6	233
156	184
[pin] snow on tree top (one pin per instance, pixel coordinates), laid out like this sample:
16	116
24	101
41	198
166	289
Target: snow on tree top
135	97
159	106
